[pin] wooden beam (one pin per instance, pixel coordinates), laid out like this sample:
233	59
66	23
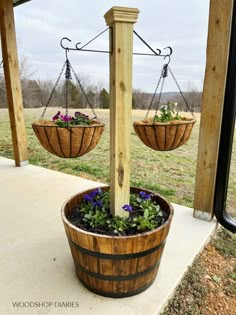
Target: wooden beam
212	106
121	21
12	79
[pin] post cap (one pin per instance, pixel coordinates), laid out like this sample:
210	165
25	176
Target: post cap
121	14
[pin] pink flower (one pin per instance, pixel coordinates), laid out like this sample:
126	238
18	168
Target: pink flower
65	118
57	116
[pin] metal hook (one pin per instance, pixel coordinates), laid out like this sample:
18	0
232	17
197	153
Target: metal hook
76	46
66	48
168	55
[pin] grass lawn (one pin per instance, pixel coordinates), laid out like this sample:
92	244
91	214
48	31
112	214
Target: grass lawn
171	174
209	285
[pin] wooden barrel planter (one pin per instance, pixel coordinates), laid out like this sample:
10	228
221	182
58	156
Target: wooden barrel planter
116	266
68	142
164	136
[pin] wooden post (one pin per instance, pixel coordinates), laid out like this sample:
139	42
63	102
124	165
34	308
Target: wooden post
212	106
12	79
121	21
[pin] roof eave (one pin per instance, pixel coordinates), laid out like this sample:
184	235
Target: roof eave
20	2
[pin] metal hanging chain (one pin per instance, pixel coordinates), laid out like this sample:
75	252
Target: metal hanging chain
67	77
187	105
153	97
53	90
83	91
161	81
163	75
159	98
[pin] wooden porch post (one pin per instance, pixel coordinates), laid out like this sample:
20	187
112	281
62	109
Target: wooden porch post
121	21
13	85
212	106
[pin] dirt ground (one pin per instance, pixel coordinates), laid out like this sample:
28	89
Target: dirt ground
221	298
209	286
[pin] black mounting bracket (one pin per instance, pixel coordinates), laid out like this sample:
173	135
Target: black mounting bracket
154	52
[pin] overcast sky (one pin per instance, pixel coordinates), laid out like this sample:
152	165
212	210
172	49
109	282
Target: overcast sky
181	24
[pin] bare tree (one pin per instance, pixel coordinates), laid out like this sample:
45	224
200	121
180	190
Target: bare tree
26	71
193	98
141	99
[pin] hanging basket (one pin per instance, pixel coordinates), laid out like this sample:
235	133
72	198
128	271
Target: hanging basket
164	136
68	142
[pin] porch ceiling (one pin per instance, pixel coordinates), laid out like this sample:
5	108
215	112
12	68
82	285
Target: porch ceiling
19	2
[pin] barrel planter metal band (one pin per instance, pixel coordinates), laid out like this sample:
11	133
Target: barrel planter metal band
68	142
115	256
164	136
116	266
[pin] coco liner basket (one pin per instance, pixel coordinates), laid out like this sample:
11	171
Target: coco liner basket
164	136
68	142
116	266
169	133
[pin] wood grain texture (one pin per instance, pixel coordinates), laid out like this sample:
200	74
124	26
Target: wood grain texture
116	266
212	102
12	79
121	63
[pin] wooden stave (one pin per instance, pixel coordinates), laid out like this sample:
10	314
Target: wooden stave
141	279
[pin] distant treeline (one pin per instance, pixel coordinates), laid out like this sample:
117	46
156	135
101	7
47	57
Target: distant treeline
37	92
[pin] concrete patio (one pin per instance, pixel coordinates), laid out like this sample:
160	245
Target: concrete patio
36	265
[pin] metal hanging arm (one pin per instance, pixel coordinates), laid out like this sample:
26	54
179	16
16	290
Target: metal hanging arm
76	48
158	53
155	52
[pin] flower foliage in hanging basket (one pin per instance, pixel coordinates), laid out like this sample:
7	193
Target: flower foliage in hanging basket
65	138
166	131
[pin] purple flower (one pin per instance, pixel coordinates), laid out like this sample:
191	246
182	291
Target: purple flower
96	192
127	208
99	191
57	116
65	118
88	198
77	114
93	193
98	203
144	195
